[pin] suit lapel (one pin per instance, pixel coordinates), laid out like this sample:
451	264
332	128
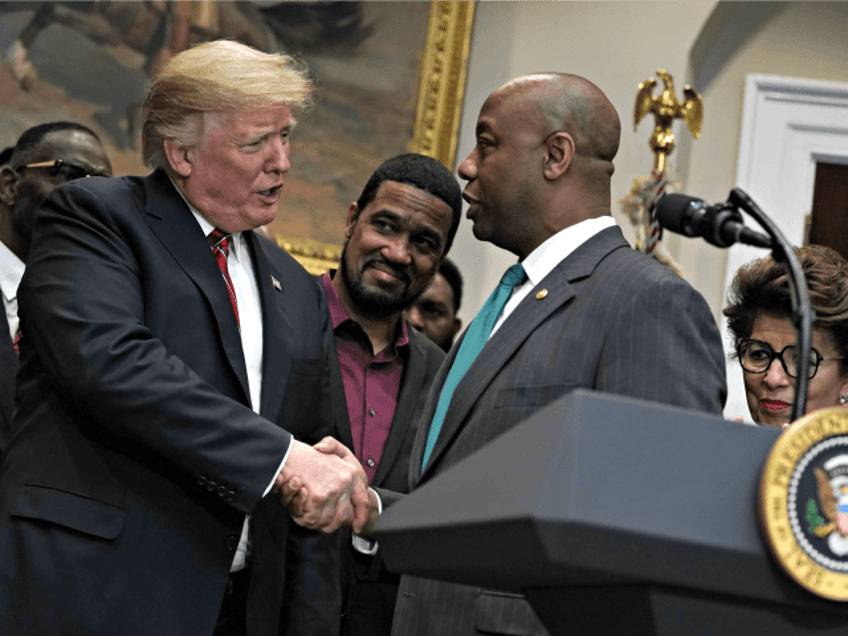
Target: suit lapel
276	332
529	314
341	417
8	369
411	382
173	223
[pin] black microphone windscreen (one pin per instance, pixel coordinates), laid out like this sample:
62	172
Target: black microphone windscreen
670	211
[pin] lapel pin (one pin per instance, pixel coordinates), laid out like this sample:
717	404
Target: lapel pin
276	284
541	294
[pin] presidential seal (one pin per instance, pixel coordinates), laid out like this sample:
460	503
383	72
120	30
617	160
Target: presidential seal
804	502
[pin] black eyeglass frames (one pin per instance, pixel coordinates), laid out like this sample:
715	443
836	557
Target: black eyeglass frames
756	356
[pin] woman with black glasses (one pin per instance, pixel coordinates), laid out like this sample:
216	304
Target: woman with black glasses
759	315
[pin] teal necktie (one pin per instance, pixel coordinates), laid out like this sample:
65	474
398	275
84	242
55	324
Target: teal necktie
472	344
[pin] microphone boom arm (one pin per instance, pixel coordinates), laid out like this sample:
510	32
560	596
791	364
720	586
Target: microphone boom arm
803	315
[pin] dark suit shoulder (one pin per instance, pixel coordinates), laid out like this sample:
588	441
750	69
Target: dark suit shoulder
430	353
130	189
645	276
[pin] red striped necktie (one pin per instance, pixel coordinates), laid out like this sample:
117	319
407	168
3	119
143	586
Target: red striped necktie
221	248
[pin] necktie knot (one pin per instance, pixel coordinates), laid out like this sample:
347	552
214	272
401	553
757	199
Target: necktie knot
514	276
219	241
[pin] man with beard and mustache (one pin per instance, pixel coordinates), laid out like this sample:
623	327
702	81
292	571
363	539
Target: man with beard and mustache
397	234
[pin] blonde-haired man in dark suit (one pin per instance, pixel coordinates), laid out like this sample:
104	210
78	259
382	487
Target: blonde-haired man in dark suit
174	370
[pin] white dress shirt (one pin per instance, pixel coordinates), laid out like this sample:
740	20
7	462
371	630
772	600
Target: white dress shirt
240	268
541	261
11	272
243	277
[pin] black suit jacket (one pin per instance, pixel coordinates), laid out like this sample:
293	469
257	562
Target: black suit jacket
134	455
368	589
612	319
8	368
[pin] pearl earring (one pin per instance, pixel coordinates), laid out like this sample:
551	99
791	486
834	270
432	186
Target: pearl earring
843	398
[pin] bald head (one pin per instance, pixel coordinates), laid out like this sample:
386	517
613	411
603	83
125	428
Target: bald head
44	157
572	104
543	160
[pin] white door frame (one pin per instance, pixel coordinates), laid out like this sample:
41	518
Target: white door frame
788	125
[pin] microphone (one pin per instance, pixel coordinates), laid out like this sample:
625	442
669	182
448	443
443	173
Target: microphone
720	224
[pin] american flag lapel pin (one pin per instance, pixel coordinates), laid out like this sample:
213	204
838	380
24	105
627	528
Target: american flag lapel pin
276	284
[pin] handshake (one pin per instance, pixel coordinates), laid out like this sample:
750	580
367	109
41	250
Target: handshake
325	488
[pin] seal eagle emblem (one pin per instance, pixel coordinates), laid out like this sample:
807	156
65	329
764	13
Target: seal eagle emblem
804	502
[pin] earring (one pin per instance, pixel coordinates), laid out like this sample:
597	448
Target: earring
843	398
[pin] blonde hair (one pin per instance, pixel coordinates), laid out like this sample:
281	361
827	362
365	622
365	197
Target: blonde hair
218	76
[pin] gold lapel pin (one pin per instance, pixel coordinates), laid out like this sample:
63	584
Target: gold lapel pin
276	284
541	294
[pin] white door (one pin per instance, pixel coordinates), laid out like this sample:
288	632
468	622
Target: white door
788	126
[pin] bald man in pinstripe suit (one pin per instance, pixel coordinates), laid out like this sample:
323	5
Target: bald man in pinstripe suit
590	313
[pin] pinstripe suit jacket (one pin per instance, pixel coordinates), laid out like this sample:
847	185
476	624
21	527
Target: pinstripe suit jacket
613	320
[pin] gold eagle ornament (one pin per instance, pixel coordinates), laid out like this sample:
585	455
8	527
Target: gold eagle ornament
666	109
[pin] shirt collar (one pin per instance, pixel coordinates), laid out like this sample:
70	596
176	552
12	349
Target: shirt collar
237	243
541	261
339	315
11	272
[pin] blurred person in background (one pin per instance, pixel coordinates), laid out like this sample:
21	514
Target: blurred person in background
434	313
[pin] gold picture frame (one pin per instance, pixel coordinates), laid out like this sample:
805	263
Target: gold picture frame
442	83
408	96
438	110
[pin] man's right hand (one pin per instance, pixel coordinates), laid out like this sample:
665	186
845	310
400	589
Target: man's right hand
323	491
333	446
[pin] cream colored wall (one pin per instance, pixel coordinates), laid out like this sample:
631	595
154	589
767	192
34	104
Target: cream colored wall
614	44
807	40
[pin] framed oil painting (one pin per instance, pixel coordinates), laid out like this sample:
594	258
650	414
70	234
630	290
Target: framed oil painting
389	79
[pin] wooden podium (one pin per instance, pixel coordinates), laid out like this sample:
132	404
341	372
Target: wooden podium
612	516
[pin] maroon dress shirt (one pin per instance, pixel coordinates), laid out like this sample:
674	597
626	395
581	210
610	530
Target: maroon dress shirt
371	382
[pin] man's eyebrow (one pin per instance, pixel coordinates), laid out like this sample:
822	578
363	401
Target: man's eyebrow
385	212
482	127
265	133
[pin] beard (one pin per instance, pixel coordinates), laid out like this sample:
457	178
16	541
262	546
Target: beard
374	302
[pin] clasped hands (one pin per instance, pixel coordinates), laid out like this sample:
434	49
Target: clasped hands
324	487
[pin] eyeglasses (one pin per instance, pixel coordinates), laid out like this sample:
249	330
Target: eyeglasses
756	356
58	168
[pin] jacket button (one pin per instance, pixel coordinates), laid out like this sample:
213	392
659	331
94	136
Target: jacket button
231	495
211	486
222	491
201	480
231	543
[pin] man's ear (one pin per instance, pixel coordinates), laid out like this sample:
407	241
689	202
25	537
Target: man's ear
560	152
457	325
352	217
179	157
9	186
